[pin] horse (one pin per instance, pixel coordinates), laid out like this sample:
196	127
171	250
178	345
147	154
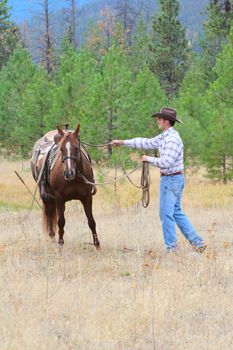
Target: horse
70	177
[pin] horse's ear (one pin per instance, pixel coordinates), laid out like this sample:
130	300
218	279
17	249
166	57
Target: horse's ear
76	132
61	132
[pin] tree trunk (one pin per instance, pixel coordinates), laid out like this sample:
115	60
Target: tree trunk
224	170
48	46
74	40
110	127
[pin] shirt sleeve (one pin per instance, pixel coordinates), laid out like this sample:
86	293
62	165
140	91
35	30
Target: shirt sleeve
144	143
169	156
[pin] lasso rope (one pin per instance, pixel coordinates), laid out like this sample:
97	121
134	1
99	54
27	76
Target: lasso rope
145	182
145	177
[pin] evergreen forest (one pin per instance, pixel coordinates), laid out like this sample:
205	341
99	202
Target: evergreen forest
128	64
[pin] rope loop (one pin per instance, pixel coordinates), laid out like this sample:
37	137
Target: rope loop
145	185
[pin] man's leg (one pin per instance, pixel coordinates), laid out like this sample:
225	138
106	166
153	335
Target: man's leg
180	217
166	212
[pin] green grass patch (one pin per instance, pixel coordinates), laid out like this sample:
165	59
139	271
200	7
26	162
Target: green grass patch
13	206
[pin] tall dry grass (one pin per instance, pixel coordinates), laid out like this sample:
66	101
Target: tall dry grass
128	295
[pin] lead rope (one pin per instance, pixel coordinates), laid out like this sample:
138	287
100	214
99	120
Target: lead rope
145	177
108	182
145	182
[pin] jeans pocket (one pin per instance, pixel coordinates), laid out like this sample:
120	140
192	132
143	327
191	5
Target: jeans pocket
176	186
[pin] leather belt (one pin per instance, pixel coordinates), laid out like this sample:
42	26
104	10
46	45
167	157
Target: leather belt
177	173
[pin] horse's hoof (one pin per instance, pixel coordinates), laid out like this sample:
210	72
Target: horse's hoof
52	237
97	245
61	242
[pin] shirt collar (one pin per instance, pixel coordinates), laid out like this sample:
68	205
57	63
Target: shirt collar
165	133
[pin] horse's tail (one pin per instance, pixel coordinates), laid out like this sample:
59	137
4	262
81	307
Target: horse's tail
49	214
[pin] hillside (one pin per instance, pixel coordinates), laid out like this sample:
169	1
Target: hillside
191	16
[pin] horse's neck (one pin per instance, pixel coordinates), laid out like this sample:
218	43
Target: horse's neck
85	154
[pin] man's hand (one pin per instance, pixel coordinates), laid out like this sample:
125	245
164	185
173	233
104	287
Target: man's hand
144	158
117	143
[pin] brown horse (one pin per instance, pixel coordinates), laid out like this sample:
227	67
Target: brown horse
68	173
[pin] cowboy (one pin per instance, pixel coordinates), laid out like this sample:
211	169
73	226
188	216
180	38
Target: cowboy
170	163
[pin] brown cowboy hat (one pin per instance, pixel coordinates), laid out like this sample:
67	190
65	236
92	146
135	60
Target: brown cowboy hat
167	113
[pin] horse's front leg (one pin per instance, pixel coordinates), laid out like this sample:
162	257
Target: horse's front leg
87	204
61	220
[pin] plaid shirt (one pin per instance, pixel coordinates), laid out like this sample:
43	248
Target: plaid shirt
170	148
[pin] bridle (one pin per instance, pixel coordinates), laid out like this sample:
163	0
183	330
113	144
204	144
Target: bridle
69	157
75	158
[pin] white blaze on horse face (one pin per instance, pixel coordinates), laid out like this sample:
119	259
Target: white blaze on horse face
68	146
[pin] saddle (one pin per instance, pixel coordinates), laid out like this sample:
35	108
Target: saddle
41	151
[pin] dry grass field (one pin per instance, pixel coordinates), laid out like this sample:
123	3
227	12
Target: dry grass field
130	295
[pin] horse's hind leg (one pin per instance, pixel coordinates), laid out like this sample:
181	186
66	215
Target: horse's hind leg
61	220
49	216
87	204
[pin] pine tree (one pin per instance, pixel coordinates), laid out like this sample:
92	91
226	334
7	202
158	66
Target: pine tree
14	78
169	50
42	41
139	50
147	98
192	107
70	19
217	27
218	154
108	32
73	99
127	12
9	34
208	117
4	15
115	80
35	106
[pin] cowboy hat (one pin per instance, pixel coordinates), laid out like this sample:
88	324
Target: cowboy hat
167	113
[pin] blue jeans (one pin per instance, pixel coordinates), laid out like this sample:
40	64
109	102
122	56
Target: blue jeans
171	213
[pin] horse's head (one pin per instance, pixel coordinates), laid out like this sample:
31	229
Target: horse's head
70	151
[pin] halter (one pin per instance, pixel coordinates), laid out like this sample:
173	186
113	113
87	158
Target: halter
69	157
75	158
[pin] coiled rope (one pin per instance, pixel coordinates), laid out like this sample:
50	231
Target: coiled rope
145	183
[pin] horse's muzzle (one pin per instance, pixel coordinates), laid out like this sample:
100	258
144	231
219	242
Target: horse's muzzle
69	175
